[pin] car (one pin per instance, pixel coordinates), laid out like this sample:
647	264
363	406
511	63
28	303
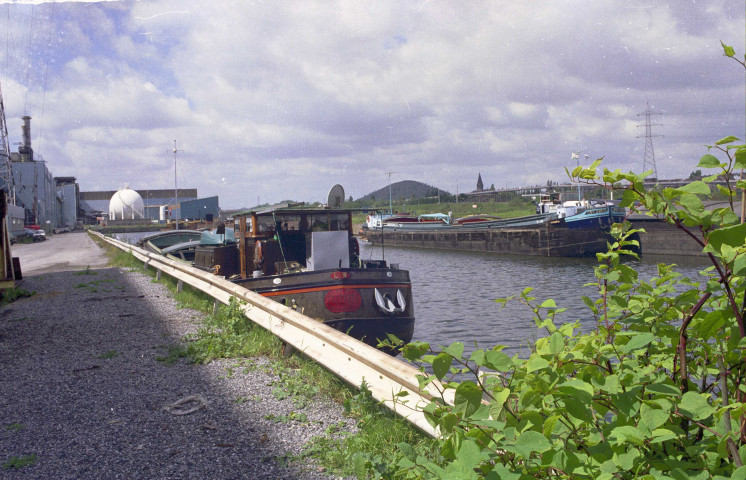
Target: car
38	235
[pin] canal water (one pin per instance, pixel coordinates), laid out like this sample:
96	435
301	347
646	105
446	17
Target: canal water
454	292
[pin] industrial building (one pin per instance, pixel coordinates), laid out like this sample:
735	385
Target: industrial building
205	209
34	185
68	205
96	204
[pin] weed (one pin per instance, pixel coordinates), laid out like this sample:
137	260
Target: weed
229	334
19	462
109	354
241	400
14	427
378	430
175	352
290	417
87	271
10	295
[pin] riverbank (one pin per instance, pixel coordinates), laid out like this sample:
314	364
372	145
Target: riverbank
87	374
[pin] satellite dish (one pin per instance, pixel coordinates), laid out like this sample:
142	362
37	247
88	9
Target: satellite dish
336	197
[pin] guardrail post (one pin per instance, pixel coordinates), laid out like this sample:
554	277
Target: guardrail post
158	275
180	286
215	307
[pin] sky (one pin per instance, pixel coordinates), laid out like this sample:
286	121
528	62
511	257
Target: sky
269	101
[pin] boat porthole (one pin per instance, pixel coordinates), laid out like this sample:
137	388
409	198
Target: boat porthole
389	274
277	281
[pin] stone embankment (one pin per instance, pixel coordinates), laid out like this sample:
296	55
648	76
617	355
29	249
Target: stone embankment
83	390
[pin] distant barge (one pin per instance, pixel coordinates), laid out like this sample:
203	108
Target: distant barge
545	239
555	231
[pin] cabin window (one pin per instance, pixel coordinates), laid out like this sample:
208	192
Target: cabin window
331	222
289	222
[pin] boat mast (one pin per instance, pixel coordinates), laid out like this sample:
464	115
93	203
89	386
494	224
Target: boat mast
391	211
176	190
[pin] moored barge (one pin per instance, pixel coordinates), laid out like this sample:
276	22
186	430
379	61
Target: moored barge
308	259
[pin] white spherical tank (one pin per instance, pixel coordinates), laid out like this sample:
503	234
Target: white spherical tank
126	204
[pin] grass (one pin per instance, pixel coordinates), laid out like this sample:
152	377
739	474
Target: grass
14	427
19	462
109	354
87	271
372	451
10	295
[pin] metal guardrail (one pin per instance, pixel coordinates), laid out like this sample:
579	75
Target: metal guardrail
350	359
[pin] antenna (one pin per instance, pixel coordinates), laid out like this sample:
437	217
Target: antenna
389	173
176	189
336	197
648	161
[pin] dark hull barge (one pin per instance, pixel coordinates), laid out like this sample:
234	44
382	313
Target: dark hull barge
309	260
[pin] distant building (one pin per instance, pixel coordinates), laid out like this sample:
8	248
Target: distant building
206	209
68	202
480	185
96	204
34	184
126	204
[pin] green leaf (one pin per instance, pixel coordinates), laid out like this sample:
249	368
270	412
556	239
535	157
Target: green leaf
733	236
653	417
498	361
726	140
468	458
536	363
556	343
627	433
407	450
666	389
739	474
441	365
549	425
639	341
498	403
740	158
695	406
468	398
503	473
530	441
456	350
727	50
709	161
579	409
549	303
662	435
413	351
697	187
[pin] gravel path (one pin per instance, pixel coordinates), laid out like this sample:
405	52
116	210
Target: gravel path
81	389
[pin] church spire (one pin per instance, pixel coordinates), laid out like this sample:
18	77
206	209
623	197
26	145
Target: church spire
480	185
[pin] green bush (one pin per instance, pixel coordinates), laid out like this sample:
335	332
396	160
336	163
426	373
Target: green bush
656	391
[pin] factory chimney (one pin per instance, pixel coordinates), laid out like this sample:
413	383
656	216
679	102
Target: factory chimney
27	153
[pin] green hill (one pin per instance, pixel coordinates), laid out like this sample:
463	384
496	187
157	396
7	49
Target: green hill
404	190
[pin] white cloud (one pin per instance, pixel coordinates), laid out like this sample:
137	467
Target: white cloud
284	99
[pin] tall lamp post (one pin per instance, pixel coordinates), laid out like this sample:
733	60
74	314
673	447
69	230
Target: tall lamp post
576	156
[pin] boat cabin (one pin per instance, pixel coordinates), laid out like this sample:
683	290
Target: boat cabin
290	240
